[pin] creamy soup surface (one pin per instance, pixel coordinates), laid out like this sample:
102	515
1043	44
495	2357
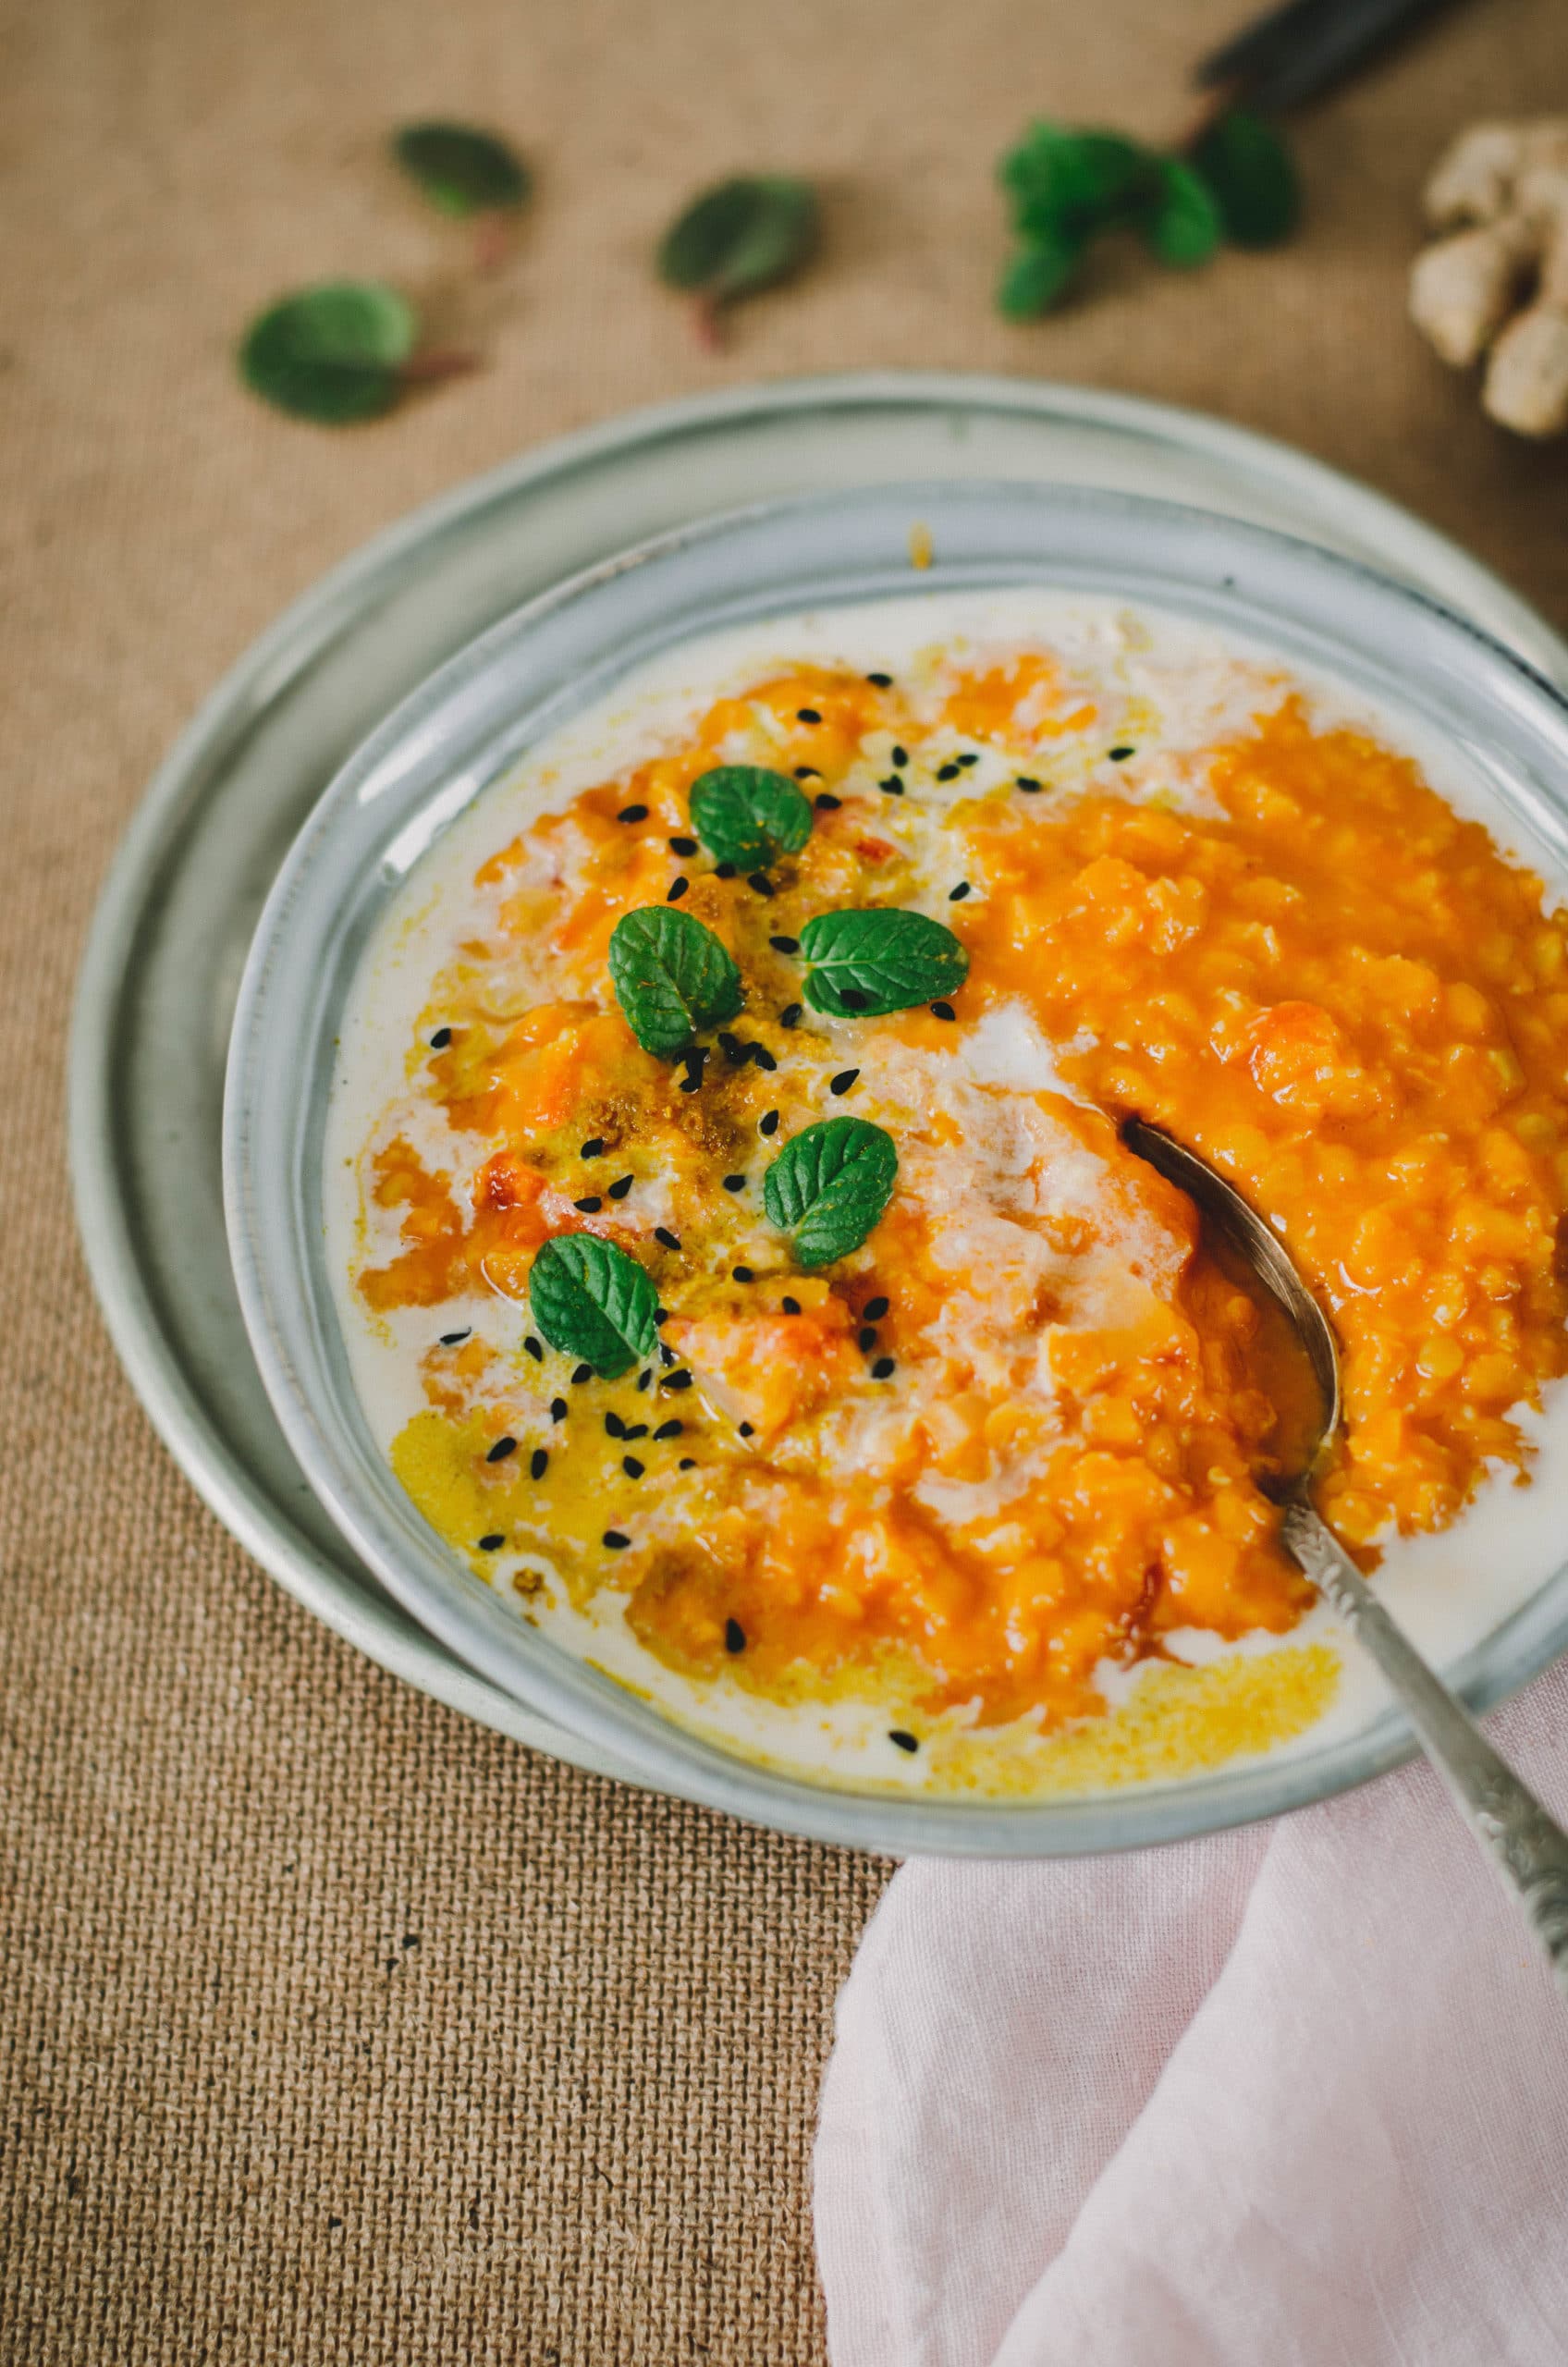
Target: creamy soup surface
951	1479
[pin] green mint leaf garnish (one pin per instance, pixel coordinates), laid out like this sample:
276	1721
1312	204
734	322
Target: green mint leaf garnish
737	238
1250	172
862	963
460	170
671	976
1039	275
829	1186
1072	182
1181	224
749	816
594	1302
333	353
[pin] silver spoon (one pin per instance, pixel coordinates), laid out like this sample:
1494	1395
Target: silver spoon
1529	1848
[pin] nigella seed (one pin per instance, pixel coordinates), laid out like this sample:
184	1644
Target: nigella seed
662	1232
746	1431
825	803
893	784
493	1543
791	1305
807	772
635	1430
900	756
669	1430
947	772
956	895
632	1468
760	881
742	1274
455	1338
502	1448
883	681
734	1183
883	1369
807	714
790	1015
852	998
1120	756
534	1350
614	1425
441	1038
580	1374
595	1149
785	944
616	1541
681	1379
724	871
943	1011
875	1309
677	889
901	1739
867	1338
963	762
620	1187
687	1463
734	1635
591	1206
644	1379
843	1082
683	846
1028	783
558	1409
538	1464
632	814
768	1122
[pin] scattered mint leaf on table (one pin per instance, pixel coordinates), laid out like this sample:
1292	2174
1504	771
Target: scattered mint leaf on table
828	1187
862	963
672	978
460	170
1066	180
334	354
748	816
1038	276
1182	220
593	1301
1253	177
737	238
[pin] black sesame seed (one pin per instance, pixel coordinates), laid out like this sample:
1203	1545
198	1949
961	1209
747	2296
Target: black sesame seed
724	871
1026	781
696	1060
790	1015
943	1011
883	681
616	1541
901	1739
666	1355
852	998
893	784
883	1369
632	814
734	1635
746	1431
683	846
687	1463
502	1448
742	1274
956	895
867	1338
768	1122
966	761
734	1051
875	1309
1120	756
615	1427
670	1429
558	1409
662	1232
807	714
595	1149
453	1339
632	1468
644	1379
441	1038
661	1314
791	1305
947	772
493	1543
825	803
621	1186
760	881
785	944
538	1464
681	1379
734	1183
589	1205
676	889
580	1374
534	1350
901	755
635	1430
843	1082
807	772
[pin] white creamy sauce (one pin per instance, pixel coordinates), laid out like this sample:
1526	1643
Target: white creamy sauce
1179	688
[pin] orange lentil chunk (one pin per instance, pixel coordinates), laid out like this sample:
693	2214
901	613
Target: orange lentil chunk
1026	1428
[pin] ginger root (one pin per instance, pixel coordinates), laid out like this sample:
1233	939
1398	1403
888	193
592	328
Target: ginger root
1496	284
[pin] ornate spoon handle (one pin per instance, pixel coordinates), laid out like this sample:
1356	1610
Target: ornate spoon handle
1530	1850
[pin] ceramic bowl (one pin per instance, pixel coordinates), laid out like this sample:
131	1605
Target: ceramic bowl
470	724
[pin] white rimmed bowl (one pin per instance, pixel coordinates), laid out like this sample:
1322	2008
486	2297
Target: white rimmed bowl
469	725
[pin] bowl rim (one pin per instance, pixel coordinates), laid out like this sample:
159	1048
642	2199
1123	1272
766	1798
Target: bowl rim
656	1747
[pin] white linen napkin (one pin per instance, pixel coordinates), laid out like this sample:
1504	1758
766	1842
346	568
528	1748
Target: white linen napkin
1294	2097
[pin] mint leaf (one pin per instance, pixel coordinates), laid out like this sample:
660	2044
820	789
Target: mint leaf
334	354
671	976
1253	179
827	1188
1039	275
1181	224
739	236
865	962
1071	182
594	1302
460	170
749	816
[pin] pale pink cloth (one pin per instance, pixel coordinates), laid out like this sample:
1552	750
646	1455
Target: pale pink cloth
1295	2096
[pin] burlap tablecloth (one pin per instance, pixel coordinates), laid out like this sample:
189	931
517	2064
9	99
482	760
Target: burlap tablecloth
333	2029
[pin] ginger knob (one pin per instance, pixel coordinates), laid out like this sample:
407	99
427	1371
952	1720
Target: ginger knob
1496	286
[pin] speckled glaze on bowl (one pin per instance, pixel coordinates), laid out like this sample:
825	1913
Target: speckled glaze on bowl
470	724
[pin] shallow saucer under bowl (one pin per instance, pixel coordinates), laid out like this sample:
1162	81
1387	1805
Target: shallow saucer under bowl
468	726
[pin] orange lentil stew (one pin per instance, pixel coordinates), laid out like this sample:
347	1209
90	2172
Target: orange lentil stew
1016	1432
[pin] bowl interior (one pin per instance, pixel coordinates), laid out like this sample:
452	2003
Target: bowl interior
470	724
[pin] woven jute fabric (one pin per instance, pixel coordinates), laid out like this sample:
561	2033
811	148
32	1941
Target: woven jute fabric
332	2027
